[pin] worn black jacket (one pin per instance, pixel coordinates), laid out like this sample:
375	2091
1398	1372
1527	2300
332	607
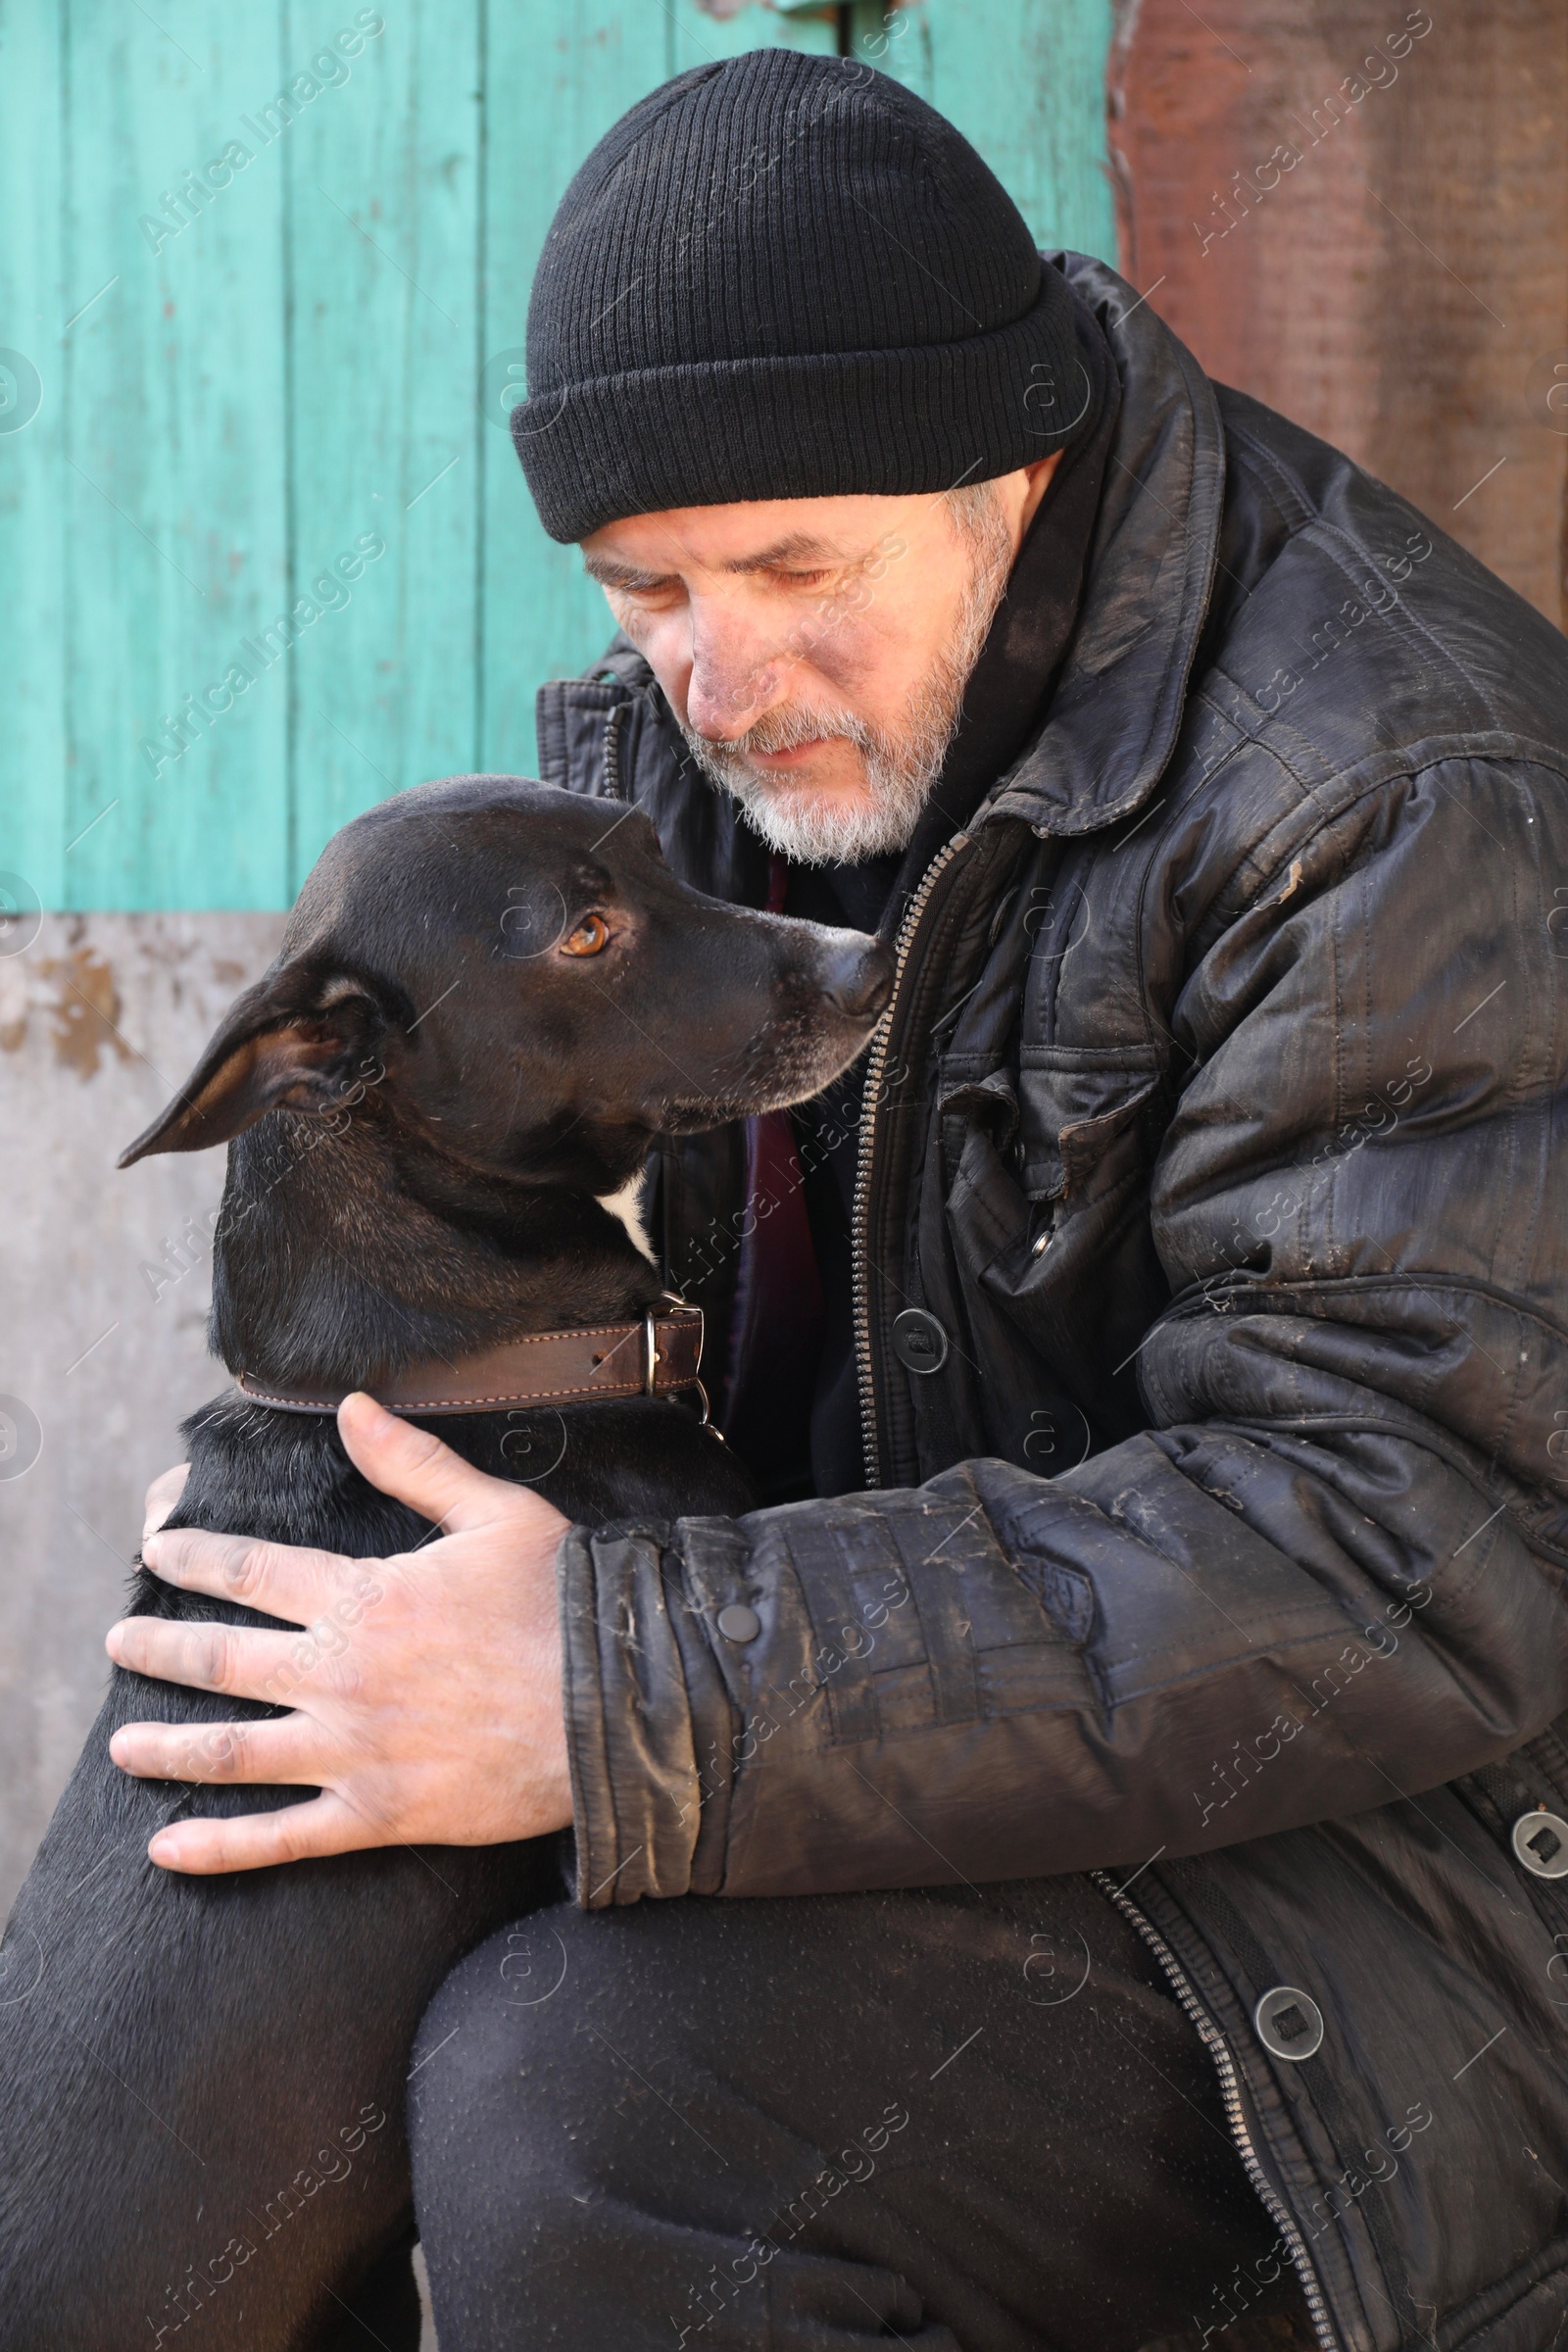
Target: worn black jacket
1219	1123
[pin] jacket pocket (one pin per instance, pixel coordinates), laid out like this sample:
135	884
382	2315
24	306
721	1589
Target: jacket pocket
1082	1117
1036	1249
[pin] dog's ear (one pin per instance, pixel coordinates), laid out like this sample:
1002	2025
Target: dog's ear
301	1036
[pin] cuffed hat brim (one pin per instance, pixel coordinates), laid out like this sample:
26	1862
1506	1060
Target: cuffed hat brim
820	426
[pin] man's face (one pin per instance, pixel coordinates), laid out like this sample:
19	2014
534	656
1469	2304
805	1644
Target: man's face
814	650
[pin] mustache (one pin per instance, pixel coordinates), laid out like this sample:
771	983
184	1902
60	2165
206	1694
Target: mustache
785	730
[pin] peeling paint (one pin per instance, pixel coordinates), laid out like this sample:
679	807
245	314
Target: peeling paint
108	1372
77	995
85	1011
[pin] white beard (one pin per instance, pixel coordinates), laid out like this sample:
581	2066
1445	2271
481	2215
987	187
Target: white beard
900	764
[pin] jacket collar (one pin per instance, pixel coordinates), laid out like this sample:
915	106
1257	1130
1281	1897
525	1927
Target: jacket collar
1118	707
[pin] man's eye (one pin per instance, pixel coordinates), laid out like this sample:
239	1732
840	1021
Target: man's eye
590	937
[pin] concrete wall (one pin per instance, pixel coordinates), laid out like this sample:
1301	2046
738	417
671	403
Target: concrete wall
104	1304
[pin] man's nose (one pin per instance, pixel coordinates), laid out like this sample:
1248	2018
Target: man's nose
731	684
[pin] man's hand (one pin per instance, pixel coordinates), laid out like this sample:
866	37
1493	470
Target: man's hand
425	1688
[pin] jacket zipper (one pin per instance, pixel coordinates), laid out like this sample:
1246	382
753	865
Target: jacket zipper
1181	1985
615	720
861	1217
1214	2041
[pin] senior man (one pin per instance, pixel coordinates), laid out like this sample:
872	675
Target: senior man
1144	1688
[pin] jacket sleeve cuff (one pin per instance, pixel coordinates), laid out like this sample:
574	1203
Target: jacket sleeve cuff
648	1721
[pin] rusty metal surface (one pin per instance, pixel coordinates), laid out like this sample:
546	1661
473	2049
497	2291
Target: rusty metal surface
1401	285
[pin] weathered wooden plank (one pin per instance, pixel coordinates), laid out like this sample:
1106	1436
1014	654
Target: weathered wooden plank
34	308
275	367
384	228
172	517
554	89
1025	80
698	34
1365	223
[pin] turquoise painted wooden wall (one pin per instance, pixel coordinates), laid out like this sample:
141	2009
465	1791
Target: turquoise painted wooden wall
285	395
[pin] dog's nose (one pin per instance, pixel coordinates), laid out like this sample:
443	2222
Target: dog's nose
859	978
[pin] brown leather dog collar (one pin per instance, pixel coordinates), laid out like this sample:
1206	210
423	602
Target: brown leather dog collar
651	1358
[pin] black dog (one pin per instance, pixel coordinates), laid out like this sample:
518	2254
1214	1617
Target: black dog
490	997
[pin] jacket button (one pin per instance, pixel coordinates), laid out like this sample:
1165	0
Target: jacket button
738	1623
1290	2023
919	1340
1541	1841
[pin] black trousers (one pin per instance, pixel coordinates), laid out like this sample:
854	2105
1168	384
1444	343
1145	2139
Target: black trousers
940	2118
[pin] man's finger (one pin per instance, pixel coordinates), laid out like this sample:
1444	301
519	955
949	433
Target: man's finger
415	1466
162	1496
281	1580
282	1752
324	1825
237	1661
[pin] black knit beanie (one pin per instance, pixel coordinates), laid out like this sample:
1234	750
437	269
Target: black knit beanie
786	276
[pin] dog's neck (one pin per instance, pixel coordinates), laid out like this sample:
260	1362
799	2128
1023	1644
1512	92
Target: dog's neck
344	1253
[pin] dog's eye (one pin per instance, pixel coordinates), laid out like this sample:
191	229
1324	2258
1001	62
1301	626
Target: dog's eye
591	935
